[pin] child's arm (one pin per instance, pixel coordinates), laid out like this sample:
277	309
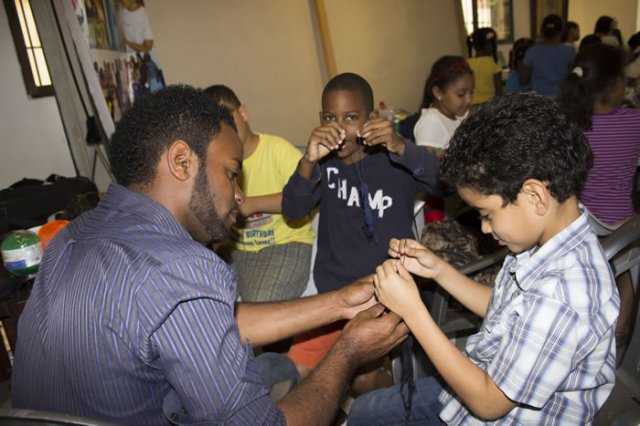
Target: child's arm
271	203
302	193
524	72
322	142
497	83
421	261
378	131
396	289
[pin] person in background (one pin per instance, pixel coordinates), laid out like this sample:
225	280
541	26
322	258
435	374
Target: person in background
133	318
448	92
545	352
484	64
591	95
606	27
632	71
138	38
546	63
589	40
513	84
571	33
271	254
365	179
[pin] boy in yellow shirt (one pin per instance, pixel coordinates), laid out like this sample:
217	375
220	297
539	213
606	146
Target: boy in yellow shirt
272	255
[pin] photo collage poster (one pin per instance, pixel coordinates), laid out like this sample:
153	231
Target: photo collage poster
122	50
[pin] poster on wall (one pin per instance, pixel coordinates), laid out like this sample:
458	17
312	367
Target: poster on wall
121	51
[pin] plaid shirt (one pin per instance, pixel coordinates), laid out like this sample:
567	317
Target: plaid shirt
547	340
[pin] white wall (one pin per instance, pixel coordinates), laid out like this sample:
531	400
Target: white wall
587	12
32	139
267	51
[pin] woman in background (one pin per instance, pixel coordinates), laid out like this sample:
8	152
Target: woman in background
547	62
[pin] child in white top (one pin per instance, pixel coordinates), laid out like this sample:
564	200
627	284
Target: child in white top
446	100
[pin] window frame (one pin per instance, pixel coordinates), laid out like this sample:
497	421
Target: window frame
33	89
474	8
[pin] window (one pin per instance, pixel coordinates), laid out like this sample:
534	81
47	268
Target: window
28	47
497	14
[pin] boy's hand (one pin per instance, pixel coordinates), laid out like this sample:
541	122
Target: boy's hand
323	141
379	131
247	208
415	257
396	289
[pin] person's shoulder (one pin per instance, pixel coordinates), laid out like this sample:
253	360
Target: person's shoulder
628	112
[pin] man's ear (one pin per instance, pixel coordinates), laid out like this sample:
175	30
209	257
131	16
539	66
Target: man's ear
537	193
181	160
244	113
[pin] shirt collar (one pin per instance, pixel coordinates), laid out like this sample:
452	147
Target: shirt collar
136	203
526	267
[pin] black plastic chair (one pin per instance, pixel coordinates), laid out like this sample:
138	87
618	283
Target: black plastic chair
28	417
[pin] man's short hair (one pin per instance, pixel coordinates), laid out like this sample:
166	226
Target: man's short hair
147	130
221	94
351	82
513	138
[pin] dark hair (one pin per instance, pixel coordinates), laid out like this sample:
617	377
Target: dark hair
634	43
221	94
570	25
552	26
516	137
604	25
589	40
520	47
483	40
351	82
154	122
444	71
596	70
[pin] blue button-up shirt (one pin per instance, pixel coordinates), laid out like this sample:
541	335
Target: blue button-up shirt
132	320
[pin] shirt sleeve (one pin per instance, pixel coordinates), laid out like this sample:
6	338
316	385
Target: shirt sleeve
537	353
300	195
429	132
423	166
212	375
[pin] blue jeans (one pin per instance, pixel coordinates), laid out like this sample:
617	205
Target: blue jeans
385	406
274	368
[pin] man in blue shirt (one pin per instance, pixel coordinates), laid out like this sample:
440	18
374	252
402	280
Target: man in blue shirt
133	319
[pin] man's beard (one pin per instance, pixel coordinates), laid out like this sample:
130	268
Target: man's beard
201	205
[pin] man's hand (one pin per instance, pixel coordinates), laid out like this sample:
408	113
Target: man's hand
379	131
356	296
372	334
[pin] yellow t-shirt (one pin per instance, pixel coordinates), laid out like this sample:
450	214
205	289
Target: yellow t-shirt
267	171
484	68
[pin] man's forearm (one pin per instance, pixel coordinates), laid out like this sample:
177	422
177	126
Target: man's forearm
317	399
268	322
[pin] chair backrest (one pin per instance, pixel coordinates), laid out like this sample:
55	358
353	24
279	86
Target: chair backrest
28	417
